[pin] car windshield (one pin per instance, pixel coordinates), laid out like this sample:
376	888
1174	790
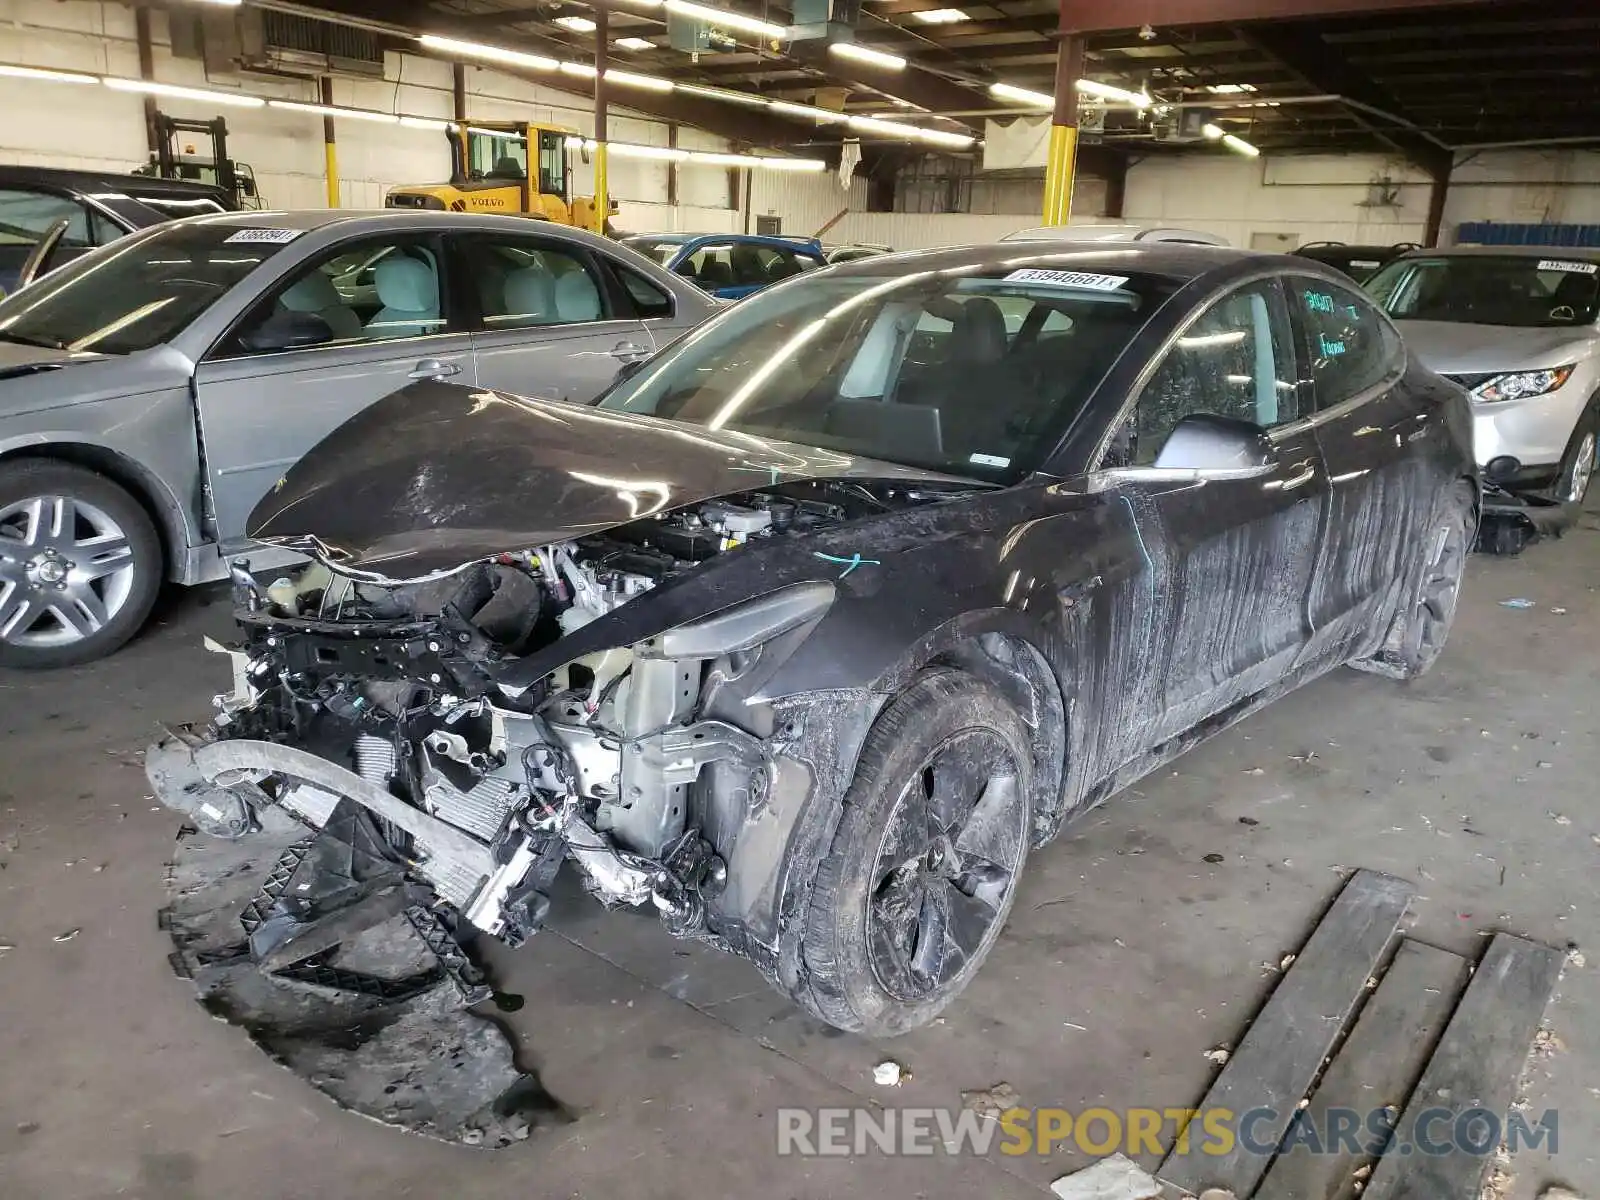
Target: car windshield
1524	291
138	292
975	371
661	251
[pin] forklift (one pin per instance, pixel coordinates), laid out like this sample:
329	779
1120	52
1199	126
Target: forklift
505	167
172	162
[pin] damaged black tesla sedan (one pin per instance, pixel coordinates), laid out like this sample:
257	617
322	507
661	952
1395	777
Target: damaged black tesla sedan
829	613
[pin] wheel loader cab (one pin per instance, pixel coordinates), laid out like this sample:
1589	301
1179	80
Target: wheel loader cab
510	167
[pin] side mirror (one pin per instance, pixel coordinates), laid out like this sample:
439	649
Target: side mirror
1204	442
287	330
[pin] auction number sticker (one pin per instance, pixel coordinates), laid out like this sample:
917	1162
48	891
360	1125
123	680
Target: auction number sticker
268	237
1074	279
1561	264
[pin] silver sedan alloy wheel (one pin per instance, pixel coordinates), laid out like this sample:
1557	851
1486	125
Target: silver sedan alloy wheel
66	570
1583	464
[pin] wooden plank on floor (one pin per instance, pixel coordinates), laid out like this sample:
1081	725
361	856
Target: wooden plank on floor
1378	1065
1477	1066
1283	1049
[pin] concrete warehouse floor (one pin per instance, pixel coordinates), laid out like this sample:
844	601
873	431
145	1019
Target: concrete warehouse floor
1127	955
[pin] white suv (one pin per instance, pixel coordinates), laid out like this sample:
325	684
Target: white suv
1515	326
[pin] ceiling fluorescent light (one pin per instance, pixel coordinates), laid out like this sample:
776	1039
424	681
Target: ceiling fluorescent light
694	89
806	111
576	24
865	54
222	3
632	79
498	54
586	70
329	110
911	133
425	123
1006	91
1239	146
940	16
184	93
43	74
710	158
722	19
786	164
633	43
1106	91
1212	131
1230	89
663	153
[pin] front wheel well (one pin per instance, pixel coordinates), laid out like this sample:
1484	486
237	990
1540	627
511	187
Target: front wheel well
126	474
1022	674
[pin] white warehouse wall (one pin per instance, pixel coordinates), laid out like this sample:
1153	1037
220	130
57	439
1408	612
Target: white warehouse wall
1316	198
94	126
1302	198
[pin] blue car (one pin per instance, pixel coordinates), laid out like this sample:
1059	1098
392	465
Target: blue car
730	265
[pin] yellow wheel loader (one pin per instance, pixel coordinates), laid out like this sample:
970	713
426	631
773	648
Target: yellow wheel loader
505	167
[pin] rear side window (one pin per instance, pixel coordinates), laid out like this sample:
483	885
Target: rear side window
1350	346
648	299
25	216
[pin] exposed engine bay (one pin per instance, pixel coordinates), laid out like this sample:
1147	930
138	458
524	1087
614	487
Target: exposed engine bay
635	762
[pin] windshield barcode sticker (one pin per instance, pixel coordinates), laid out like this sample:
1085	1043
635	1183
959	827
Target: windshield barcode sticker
1561	264
271	237
989	460
1075	279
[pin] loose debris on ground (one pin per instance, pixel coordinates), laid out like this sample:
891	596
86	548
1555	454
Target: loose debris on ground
990	1102
1114	1178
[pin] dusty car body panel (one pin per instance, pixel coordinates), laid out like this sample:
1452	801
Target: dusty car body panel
386	491
1124	609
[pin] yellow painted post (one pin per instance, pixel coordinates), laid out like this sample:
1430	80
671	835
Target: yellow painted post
602	197
1061	160
330	147
602	46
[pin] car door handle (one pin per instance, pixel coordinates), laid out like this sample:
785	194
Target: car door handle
630	351
434	368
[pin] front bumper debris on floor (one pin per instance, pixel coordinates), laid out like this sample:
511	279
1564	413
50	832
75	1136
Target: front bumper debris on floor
313	943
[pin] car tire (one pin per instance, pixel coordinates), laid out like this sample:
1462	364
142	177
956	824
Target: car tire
911	895
1418	634
1577	467
87	588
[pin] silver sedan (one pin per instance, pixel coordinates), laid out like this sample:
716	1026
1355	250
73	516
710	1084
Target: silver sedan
154	390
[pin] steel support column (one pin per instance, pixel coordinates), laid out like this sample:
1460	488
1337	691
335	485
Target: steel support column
330	146
1437	195
147	72
1063	152
602	194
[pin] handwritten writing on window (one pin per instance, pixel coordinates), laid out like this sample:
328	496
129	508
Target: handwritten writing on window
1319	302
1331	347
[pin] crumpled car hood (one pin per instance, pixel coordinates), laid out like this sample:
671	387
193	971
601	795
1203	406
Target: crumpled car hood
437	476
1452	348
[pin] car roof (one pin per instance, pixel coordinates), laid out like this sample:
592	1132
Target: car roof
360	222
1581	253
1175	260
795	240
93	181
1114	231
